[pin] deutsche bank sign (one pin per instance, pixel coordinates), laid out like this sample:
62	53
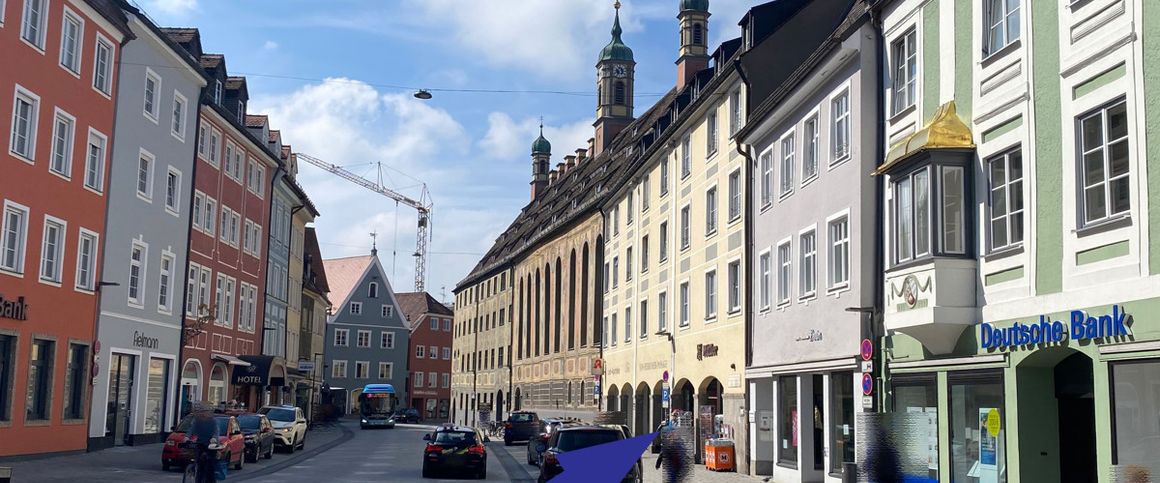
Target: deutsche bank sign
1080	326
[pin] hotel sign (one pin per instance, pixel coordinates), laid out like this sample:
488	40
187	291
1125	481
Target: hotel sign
13	309
1080	326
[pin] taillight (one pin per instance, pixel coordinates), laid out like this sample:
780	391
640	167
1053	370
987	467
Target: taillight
479	450
434	448
507	425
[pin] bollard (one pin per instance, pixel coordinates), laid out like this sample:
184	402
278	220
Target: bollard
5	474
849	473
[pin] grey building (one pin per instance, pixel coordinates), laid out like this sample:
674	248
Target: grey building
366	336
146	240
277	260
813	139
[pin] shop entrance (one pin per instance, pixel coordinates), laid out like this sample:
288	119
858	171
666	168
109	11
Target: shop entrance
121	367
1057	429
1077	419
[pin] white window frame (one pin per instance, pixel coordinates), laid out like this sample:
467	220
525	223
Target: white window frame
735	112
999	22
662	311
765	280
141	266
20	251
664	177
77	44
903	62
386	340
359	339
418	378
1008	189
355	308
62	149
686	157
178	122
711	294
811	148
784	272
386	311
683	301
1103	148
173	196
41	32
840	127
215	147
712	132
766	165
345	337
83	282
197	210
53	275
735	207
644	254
33	100
362	369
228	159
389	372
838	248
105	87
711	201
95	169
733	278
445	379
165	283
334	369
663	242
686	228
257	176
151	114
788	165
808	263
446	353
147	157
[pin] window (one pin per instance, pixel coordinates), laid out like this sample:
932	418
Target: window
420	351
1136	412
684	304
711	211
840	127
341	337
976	398
698	34
373	290
209	223
810	156
952	186
434	324
809	264
202	141
787	417
217	92
95	162
145	175
103	67
32	26
7	370
839	256
767	178
231	156
711	134
841	418
662	311
386	311
711	294
418	379
446	383
214	147
164	283
784	272
734	286
616	221
386	370
338	369
71	33
665	177
152	94
644	254
173	191
197	213
256	178
52	250
25	118
447	353
644	193
686	219
178	115
764	266
137	274
15	237
734	112
618	93
74	388
912	215
1104	164
919	396
1000	24
787	167
686	157
356	308
629	216
86	256
387	340
447	325
904	56
643	319
663	243
613	335
63	135
735	195
40	380
628	264
615	270
432	379
627	324
364	339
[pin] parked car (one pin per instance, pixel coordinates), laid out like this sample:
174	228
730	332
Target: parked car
289	426
520	426
537	446
259	435
577	437
231	439
454	449
406	415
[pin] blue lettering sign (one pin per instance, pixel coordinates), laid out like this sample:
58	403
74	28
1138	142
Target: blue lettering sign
1080	326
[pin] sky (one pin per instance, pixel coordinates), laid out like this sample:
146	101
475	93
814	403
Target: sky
337	77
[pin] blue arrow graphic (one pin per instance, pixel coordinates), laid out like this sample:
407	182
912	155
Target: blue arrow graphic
608	462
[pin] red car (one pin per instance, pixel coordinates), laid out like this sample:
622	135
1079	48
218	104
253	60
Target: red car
232	440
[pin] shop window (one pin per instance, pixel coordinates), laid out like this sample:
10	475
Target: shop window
841	420
1136	414
155	401
74	396
7	364
919	396
787	415
978	432
39	380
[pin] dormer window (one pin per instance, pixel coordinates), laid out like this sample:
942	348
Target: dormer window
217	92
241	111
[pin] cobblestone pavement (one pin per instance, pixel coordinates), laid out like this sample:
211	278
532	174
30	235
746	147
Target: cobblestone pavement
700	474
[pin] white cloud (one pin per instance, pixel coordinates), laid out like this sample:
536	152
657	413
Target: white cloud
509	139
170	8
270	45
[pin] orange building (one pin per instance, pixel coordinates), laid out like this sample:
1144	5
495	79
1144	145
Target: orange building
57	95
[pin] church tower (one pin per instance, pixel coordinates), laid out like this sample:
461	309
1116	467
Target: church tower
694	54
615	72
541	156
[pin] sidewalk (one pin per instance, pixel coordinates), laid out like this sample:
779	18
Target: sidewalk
123	464
700	474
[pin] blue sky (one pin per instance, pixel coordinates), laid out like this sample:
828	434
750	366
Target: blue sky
335	77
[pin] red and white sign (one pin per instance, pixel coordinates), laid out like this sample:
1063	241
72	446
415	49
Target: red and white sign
597	367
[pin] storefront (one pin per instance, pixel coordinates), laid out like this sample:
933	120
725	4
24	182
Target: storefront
262	382
1073	393
134	384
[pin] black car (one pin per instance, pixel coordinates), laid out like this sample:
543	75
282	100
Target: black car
520	426
454	449
406	415
539	444
571	438
259	434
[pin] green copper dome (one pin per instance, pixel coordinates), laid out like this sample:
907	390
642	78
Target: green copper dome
541	145
702	5
616	50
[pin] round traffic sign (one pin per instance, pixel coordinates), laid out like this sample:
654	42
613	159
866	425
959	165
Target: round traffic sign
665	376
867	384
867	349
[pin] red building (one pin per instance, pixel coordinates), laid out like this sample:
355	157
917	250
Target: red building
429	361
226	279
58	98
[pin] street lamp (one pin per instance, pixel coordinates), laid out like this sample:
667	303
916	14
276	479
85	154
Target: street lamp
672	361
423	94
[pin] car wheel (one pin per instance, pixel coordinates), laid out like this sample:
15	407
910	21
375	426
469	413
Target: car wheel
302	443
250	459
482	474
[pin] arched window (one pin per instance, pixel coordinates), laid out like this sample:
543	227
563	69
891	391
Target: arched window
373	290
698	34
618	93
217	384
556	329
547	320
572	300
584	299
538	316
520	320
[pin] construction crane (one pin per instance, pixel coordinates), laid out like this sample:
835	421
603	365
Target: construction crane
422	205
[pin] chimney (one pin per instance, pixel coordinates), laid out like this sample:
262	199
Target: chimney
570	161
552	177
561	168
581	155
592	146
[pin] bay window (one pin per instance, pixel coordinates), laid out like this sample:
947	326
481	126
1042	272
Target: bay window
929	212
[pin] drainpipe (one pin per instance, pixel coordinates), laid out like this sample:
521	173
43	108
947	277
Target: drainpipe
748	217
877	332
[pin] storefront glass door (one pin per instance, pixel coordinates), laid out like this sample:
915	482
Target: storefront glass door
978	432
841	420
1136	398
156	397
121	368
916	396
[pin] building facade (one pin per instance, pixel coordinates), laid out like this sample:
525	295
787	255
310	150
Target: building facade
59	110
813	138
429	355
312	330
366	336
297	351
147	239
1021	254
481	349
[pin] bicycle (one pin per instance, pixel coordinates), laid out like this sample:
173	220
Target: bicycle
200	468
495	429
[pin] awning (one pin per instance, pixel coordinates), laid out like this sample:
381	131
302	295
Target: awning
231	360
260	371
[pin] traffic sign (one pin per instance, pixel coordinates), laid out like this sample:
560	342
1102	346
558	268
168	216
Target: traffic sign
597	367
867	349
867	384
596	389
665	396
665	376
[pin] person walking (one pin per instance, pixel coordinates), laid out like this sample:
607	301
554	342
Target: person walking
204	434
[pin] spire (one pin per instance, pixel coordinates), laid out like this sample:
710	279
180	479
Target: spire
616	49
541	145
616	30
374	239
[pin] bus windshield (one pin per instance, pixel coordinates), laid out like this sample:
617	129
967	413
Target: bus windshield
376	404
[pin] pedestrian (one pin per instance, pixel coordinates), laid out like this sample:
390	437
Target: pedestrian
672	455
883	464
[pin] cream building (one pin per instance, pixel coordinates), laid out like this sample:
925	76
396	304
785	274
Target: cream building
481	347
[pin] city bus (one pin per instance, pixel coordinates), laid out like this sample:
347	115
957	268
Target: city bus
376	404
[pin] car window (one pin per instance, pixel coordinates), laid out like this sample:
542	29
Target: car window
522	417
223	425
455	437
183	426
574	440
250	423
279	414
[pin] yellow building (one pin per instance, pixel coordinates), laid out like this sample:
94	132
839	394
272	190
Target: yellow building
481	346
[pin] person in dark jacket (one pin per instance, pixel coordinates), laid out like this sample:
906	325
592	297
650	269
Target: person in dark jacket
672	456
204	432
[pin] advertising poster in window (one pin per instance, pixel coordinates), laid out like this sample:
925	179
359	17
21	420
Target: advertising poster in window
931	414
987	468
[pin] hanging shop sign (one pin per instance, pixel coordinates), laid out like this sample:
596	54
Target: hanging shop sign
1079	326
13	309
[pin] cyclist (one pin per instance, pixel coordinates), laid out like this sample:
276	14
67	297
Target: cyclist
204	434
